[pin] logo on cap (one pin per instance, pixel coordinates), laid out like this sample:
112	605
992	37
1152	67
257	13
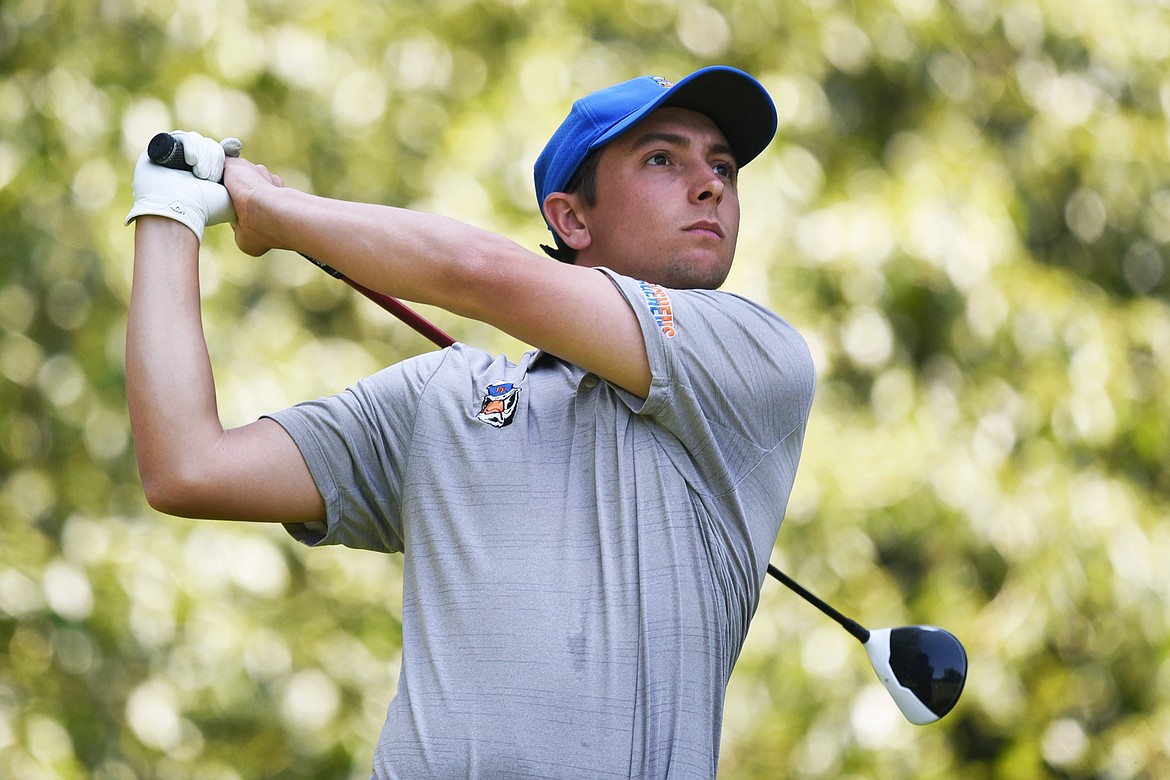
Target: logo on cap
663	82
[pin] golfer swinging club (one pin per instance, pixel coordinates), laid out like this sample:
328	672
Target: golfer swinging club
585	533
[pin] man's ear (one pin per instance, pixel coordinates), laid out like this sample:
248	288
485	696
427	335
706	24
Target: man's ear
562	211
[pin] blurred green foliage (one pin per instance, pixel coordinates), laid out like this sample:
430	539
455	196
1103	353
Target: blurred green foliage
966	212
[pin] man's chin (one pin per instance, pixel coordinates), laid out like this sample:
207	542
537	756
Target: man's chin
695	276
679	272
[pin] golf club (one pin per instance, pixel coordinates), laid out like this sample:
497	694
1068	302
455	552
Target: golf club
924	668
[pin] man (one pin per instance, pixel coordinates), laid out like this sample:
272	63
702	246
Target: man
586	532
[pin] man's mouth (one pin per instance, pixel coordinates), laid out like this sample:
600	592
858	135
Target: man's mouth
707	226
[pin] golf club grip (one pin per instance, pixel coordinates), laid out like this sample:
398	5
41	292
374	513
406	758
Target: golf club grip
166	150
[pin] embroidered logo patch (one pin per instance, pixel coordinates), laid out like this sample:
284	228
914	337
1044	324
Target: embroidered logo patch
659	303
499	404
663	82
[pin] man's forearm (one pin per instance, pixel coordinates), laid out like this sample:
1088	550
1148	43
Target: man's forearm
169	384
414	255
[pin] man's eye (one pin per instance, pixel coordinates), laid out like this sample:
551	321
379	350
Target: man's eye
661	158
725	169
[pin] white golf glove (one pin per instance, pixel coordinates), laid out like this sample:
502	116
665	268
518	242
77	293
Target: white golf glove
194	198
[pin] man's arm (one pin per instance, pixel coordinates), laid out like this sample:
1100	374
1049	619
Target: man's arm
572	312
190	465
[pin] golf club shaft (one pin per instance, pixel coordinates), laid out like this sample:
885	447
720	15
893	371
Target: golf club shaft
166	150
852	626
391	304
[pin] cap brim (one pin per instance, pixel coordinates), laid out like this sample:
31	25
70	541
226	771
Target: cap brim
737	103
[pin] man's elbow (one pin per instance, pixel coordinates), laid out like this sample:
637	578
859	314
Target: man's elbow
161	497
173	492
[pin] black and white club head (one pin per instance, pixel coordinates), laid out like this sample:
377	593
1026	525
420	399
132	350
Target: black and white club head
923	667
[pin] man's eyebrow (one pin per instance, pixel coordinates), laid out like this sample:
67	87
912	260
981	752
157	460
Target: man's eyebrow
649	139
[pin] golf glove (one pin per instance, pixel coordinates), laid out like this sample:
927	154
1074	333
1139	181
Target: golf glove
194	198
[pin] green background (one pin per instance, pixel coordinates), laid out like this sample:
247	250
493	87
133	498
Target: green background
966	212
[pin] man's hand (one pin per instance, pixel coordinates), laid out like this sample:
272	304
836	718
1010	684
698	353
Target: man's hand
195	199
248	183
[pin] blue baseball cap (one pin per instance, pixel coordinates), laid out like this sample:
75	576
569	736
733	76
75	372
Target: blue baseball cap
737	103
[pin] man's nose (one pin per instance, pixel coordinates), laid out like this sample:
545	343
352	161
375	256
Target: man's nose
709	185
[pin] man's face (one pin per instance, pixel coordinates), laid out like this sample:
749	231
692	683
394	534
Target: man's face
667	205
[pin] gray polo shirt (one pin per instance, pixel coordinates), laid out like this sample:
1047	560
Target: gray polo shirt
580	565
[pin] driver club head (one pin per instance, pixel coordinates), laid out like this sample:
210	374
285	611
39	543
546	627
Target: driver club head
923	667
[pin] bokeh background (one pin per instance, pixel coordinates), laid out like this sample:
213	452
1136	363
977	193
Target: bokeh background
966	211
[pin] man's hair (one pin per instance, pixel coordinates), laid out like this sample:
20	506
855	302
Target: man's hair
584	182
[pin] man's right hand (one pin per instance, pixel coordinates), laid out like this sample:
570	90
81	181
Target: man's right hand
194	199
248	183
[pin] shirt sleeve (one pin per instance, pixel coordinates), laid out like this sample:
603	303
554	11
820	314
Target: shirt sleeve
356	445
730	380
